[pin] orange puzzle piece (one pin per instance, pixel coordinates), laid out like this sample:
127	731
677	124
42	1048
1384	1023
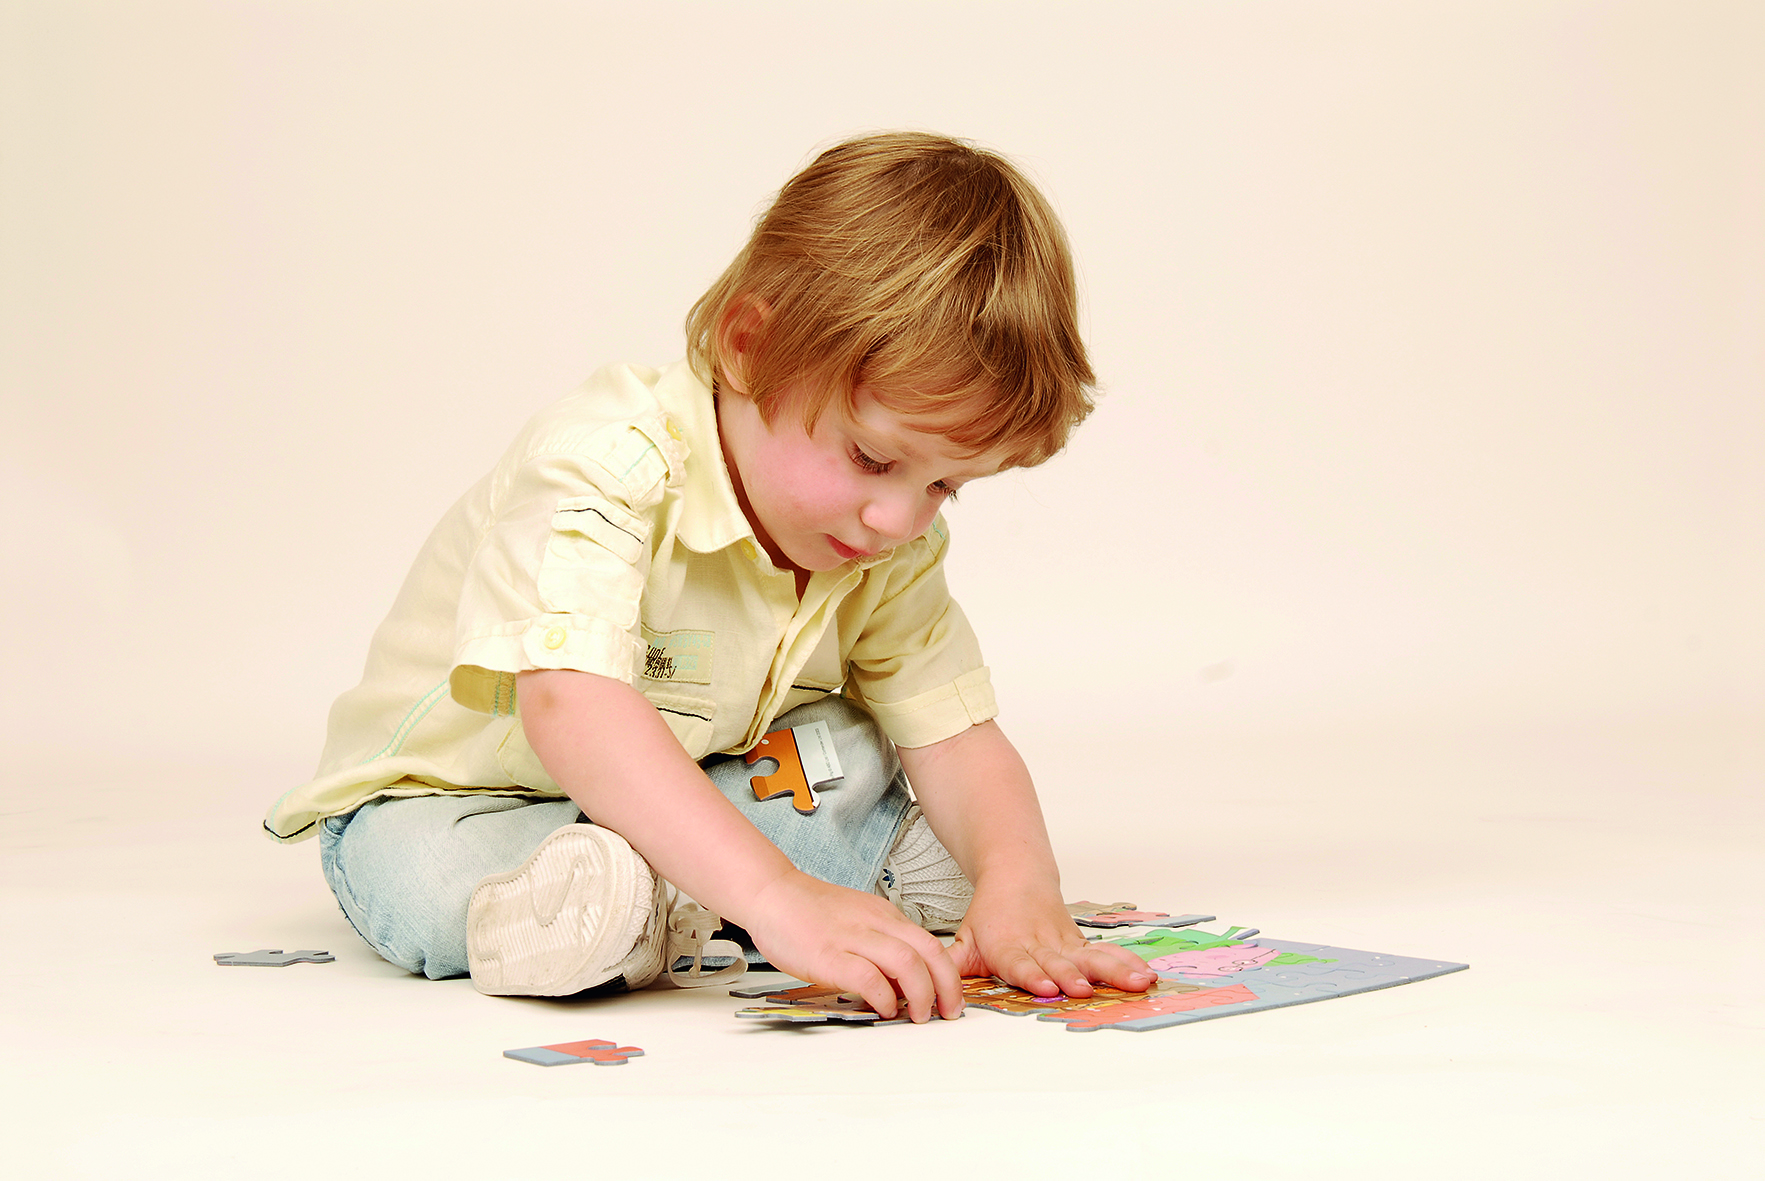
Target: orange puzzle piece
1154	1005
806	760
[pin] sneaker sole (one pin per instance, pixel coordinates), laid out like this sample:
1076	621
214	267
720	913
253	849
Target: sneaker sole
567	919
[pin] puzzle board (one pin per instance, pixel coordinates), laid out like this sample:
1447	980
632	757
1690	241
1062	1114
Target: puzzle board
1226	977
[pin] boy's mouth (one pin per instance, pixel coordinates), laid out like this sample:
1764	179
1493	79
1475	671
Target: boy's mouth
845	551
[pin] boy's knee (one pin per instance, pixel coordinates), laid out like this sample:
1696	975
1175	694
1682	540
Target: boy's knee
404	869
864	751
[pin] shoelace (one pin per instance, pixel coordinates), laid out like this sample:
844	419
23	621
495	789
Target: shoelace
690	927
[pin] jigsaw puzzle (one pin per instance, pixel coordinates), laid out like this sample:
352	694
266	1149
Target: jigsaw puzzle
271	958
806	761
1264	974
1201	976
601	1053
1123	914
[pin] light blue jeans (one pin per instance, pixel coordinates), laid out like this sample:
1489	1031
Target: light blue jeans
403	869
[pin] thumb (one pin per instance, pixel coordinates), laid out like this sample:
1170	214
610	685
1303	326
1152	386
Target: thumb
966	956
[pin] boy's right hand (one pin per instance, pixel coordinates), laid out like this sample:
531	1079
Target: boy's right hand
855	942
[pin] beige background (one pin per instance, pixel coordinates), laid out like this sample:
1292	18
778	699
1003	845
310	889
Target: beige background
1403	593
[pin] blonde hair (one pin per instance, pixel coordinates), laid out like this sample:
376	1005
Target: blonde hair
926	269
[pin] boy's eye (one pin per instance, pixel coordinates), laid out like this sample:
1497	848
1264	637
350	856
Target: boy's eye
874	466
878	467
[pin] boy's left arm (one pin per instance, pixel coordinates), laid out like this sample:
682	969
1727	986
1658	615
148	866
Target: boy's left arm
977	795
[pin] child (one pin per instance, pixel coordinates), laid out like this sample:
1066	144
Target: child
668	565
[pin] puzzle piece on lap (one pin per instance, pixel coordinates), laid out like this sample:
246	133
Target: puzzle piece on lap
597	1051
1123	914
271	958
806	760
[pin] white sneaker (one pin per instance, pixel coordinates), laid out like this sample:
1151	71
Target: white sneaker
582	910
922	879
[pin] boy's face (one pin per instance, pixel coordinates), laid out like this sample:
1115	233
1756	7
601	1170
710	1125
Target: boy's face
864	480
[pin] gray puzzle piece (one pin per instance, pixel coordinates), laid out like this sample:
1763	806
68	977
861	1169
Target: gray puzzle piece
271	958
756	991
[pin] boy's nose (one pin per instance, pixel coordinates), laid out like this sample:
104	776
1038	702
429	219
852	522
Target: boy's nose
890	517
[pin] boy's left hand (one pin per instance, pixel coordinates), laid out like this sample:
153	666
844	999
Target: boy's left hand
1033	944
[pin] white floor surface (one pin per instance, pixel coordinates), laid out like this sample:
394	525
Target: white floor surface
1608	1026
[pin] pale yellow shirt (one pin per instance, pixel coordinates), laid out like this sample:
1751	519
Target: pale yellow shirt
609	540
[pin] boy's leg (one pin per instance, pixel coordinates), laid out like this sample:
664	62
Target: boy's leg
866	833
526	897
404	868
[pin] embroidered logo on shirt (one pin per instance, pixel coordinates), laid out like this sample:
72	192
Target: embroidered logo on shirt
677	656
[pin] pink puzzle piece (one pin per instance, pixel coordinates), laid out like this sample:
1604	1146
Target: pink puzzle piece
1214	961
597	1051
1087	1020
1123	914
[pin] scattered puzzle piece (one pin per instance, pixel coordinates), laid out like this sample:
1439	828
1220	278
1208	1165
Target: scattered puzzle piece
806	761
1123	914
601	1053
271	958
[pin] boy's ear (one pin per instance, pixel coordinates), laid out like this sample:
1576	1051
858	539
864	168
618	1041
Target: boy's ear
738	336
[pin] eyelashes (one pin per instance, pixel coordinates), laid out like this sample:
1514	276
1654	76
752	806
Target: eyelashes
877	467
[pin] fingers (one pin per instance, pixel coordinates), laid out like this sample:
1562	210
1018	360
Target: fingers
890	970
1116	966
860	944
1072	969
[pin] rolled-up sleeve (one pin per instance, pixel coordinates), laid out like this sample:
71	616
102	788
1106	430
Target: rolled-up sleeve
558	576
917	664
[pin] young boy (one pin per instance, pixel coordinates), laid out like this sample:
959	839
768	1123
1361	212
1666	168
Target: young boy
669	565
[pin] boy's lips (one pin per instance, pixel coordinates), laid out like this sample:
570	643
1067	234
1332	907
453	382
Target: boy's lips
847	552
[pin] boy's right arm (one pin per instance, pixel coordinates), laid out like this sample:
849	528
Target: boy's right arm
609	749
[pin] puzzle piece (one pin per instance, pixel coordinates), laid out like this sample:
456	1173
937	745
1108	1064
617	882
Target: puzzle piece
597	1051
986	992
1142	1012
1123	914
1152	944
810	1003
1214	961
271	958
818	1014
754	991
806	761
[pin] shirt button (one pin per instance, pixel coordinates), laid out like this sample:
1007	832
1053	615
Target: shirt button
554	637
750	551
673	431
